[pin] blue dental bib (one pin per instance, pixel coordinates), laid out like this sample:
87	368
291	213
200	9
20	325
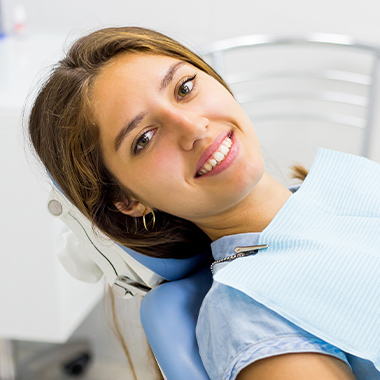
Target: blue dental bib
322	268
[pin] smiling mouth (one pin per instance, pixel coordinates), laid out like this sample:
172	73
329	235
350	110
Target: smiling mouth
217	157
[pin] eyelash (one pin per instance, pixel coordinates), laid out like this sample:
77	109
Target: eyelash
140	138
184	82
181	85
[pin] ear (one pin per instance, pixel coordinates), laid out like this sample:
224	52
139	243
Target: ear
133	208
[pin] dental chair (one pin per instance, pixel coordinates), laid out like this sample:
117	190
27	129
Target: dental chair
173	290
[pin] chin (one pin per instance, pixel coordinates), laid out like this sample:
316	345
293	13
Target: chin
246	181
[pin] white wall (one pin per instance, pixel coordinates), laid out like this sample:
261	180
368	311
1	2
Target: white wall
200	21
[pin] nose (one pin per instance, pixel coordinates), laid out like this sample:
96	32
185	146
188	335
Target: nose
187	126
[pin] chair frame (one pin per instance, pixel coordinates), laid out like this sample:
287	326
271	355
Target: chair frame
216	51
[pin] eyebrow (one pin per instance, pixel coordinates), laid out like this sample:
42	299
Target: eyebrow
166	80
170	74
128	129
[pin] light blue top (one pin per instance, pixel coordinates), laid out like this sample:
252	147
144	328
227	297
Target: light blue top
319	274
234	330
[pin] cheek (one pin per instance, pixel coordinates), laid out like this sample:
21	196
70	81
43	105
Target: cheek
165	163
222	105
158	179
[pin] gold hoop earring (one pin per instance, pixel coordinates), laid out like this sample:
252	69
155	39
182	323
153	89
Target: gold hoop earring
144	222
153	219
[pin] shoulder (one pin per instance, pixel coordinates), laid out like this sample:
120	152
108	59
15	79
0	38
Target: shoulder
234	330
298	366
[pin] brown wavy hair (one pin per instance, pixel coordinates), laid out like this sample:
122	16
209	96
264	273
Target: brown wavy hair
65	135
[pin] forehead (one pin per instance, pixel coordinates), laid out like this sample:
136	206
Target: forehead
126	80
133	67
128	75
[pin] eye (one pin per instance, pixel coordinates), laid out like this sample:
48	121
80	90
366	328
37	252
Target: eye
186	87
143	141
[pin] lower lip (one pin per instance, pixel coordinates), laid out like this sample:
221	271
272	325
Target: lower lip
233	152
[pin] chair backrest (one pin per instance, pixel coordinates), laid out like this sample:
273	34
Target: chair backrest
168	312
319	87
87	254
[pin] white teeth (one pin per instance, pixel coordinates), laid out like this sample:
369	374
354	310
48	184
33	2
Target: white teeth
223	149
227	142
218	156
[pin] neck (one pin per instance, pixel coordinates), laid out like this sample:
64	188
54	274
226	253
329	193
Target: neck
253	213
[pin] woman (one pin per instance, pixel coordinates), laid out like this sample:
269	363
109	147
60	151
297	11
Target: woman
149	143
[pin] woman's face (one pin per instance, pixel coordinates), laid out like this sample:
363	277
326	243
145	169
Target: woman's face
175	136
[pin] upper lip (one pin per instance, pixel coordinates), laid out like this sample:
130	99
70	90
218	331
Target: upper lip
210	150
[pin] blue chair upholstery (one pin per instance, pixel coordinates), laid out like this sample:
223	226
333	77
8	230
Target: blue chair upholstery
171	269
169	314
175	303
